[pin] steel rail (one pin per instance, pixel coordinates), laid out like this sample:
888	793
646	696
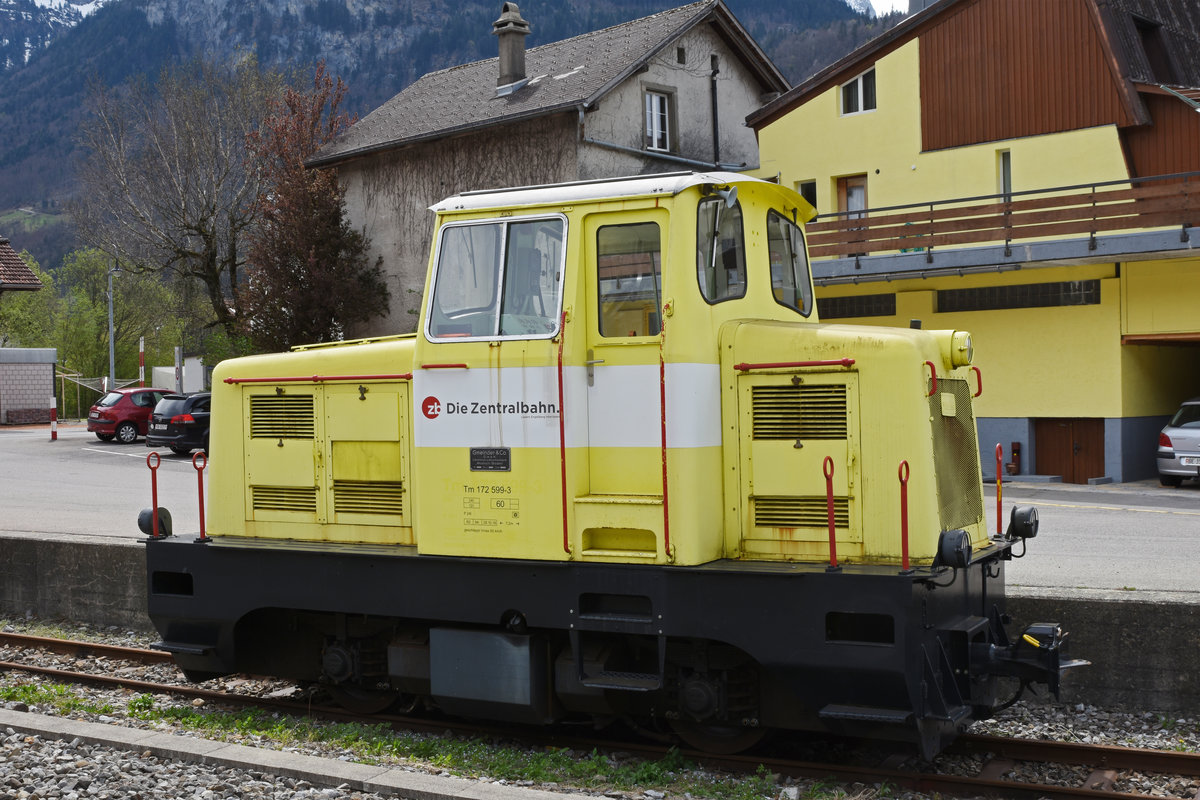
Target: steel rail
82	649
920	782
991	748
1093	755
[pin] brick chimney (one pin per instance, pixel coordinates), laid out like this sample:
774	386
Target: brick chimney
511	30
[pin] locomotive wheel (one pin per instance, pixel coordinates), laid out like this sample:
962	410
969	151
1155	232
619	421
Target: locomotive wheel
360	700
717	739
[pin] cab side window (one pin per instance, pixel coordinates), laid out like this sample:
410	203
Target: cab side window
629	279
720	250
790	282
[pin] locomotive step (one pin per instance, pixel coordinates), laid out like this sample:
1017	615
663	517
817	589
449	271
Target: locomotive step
181	648
620	499
628	681
898	716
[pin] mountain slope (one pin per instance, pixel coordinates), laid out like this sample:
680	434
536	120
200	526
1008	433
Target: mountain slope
377	46
27	27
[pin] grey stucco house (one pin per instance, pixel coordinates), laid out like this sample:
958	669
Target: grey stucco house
666	92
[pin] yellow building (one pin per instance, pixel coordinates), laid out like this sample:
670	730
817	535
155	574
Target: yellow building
1026	170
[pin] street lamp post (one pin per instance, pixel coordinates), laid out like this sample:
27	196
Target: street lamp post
112	352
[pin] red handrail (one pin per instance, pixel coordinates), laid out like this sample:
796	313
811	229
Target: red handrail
562	437
933	372
154	488
402	376
662	409
903	475
827	470
203	462
978	377
841	362
999	487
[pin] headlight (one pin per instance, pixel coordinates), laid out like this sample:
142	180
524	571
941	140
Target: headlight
1023	523
961	349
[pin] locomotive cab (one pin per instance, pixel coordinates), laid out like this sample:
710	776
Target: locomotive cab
621	470
588	360
664	344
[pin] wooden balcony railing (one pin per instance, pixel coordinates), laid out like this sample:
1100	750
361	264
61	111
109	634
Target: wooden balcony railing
1059	213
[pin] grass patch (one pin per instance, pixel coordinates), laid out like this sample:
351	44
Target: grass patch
53	695
673	775
475	757
493	758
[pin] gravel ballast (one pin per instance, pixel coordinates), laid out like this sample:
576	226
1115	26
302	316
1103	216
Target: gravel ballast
43	767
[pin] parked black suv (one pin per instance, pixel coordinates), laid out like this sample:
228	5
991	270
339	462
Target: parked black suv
180	422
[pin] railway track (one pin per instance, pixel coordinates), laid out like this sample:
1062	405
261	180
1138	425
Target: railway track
1101	770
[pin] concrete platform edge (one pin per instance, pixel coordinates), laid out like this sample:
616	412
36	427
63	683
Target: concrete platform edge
322	772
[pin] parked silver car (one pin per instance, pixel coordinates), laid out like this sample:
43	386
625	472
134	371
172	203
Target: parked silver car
1179	445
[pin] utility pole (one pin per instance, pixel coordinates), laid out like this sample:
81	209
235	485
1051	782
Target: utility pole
112	352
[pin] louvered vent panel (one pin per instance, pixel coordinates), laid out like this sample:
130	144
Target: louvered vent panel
800	512
281	416
368	497
799	412
285	498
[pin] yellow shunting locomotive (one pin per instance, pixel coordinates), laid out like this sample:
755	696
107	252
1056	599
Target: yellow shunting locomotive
620	472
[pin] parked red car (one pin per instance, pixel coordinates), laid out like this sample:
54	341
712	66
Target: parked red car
123	414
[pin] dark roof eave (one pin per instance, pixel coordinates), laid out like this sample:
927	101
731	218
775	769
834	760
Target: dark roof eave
1118	63
829	75
751	52
734	34
395	144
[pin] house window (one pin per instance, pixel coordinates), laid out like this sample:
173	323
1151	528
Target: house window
807	190
852	195
859	94
658	121
861	305
852	201
1155	49
1027	295
1004	173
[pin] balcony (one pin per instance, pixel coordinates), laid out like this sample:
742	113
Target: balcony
1139	219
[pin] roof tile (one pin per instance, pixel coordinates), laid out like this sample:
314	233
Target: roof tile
14	273
561	75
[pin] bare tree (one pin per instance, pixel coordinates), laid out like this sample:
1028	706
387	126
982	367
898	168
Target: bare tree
167	185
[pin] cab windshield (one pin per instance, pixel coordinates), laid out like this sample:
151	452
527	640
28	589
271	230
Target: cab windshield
498	279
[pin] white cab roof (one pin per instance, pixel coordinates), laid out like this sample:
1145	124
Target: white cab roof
668	184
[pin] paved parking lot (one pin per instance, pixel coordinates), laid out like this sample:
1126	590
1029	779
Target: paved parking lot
80	485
